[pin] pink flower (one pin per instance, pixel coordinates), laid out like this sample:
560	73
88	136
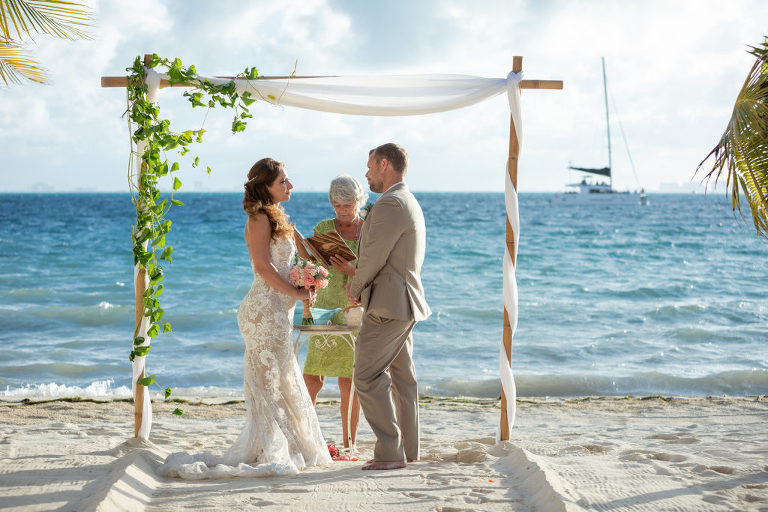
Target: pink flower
295	276
323	271
320	283
309	281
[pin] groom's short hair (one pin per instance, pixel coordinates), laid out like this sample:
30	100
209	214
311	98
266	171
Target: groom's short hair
395	155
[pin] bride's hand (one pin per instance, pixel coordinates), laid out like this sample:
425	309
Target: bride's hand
305	294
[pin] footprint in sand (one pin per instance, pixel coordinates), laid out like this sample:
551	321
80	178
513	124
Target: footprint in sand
417	495
668	457
595	448
712	470
646	457
674	439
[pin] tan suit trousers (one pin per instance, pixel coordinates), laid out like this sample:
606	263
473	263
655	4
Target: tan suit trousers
385	380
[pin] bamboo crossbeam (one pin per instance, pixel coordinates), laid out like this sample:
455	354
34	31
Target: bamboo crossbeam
122	81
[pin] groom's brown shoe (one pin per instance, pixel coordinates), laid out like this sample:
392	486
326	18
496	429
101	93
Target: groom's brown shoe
384	464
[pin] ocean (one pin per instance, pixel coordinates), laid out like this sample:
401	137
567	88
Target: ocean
663	299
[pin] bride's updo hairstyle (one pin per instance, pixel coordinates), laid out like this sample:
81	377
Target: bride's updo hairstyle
257	198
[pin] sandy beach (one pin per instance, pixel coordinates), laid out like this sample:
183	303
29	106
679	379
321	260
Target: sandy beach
583	454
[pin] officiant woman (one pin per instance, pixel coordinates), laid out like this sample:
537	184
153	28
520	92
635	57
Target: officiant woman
334	357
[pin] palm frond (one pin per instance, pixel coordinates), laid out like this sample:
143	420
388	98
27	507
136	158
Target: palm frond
15	65
742	152
60	18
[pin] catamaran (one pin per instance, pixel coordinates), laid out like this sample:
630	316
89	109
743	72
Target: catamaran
591	189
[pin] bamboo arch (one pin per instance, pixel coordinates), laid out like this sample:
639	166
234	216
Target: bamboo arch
142	413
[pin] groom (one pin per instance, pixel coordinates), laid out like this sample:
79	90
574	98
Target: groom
388	284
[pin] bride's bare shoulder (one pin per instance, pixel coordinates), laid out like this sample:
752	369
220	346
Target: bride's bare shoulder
257	227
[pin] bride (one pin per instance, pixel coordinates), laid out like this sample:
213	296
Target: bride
282	433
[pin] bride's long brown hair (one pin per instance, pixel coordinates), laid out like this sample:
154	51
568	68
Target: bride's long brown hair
257	198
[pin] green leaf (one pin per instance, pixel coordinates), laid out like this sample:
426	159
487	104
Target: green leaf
157	314
165	255
208	170
147	381
153	331
167	393
156	275
178	412
176	202
158	291
166	327
141	351
238	126
197	161
175	167
176	183
138	340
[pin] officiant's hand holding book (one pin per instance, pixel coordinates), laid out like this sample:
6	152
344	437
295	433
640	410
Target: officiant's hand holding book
324	246
343	266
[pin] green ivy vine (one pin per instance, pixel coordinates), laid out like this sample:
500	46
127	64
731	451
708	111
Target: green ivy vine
150	246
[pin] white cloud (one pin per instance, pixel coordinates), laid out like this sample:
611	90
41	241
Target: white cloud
674	69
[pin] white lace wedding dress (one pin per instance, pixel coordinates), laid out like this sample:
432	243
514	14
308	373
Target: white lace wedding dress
282	433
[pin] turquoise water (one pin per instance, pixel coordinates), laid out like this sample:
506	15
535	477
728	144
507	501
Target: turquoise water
668	298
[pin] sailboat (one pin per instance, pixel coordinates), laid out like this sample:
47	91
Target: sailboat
591	189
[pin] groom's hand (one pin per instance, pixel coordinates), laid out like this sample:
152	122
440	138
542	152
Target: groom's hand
353	300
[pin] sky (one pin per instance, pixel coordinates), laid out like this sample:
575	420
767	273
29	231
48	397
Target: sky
674	68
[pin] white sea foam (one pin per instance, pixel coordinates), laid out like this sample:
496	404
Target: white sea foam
97	389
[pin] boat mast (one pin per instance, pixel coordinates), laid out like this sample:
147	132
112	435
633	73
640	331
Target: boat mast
607	125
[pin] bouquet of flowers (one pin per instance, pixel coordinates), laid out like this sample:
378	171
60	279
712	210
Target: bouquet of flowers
306	274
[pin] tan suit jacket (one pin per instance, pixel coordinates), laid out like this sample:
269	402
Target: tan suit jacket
392	245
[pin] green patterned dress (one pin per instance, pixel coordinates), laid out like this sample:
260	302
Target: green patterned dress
332	357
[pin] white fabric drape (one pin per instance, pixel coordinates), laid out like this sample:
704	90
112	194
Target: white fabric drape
405	95
508	275
153	86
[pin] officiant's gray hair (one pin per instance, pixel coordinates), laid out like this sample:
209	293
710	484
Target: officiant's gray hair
346	189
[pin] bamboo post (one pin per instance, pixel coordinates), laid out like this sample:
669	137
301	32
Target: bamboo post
140	287
506	337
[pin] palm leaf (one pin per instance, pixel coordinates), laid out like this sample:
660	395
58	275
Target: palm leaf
15	65
742	152
59	18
